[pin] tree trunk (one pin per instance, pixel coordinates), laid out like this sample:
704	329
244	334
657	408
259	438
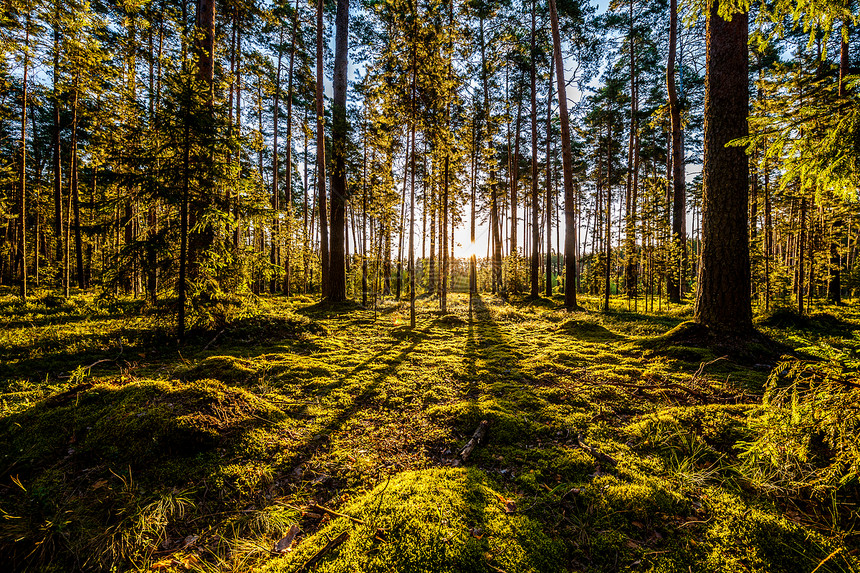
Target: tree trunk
321	193
549	180
22	181
535	250
275	231
289	157
679	210
723	296
337	260
567	167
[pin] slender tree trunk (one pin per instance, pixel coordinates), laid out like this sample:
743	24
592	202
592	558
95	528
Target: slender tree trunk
679	209
723	296
567	168
275	231
289	158
22	181
76	200
608	189
549	180
535	250
321	192
412	205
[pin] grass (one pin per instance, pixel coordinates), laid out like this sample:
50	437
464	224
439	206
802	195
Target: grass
120	450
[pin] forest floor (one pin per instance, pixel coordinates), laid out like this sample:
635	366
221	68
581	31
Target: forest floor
605	449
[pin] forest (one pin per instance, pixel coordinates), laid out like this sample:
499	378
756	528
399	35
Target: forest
429	285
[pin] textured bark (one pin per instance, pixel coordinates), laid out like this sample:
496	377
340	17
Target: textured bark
288	184
535	266
337	255
723	296
274	254
567	168
206	46
679	209
22	181
57	155
834	284
549	181
321	192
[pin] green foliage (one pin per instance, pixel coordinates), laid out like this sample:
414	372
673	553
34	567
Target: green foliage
807	427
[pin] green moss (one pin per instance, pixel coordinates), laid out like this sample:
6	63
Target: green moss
435	521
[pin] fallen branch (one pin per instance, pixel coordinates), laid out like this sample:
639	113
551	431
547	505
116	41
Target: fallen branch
598	455
322	509
322	552
474	441
211	342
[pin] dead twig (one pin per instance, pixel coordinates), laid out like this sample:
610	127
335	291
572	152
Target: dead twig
322	509
598	455
322	552
211	342
475	440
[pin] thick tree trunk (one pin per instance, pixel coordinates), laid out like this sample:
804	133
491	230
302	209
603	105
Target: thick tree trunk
723	296
567	167
337	260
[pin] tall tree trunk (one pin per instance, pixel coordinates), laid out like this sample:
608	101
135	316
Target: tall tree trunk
679	209
723	296
289	156
76	200
321	192
57	151
22	181
607	271
412	202
337	260
535	250
834	284
567	168
549	180
275	231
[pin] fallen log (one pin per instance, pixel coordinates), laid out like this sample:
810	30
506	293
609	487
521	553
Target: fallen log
474	441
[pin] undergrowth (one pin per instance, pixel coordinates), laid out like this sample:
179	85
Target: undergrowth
281	426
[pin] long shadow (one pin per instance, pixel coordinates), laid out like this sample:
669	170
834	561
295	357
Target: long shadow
305	451
508	391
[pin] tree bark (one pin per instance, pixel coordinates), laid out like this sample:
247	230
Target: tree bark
337	261
535	254
567	168
549	180
22	181
321	192
723	296
679	210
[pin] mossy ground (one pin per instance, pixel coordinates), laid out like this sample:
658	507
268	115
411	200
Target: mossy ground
120	450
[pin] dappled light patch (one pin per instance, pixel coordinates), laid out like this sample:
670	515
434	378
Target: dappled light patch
443	520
